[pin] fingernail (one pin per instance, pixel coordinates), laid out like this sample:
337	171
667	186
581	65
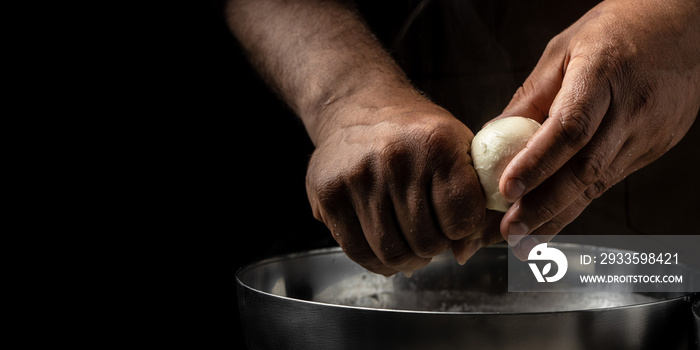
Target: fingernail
516	231
515	188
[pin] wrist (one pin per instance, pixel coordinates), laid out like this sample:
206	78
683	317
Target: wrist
364	101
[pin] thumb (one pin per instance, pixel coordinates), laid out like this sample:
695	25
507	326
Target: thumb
534	98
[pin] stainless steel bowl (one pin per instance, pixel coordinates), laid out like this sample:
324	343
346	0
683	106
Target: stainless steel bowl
322	300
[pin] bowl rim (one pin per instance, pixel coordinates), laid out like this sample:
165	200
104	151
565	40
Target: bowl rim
688	297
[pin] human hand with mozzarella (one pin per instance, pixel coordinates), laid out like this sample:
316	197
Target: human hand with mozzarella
614	92
391	175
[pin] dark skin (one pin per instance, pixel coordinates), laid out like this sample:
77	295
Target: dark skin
391	176
620	87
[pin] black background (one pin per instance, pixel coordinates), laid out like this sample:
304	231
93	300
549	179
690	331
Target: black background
229	175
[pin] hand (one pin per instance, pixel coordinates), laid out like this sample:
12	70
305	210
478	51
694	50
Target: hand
391	175
396	186
618	89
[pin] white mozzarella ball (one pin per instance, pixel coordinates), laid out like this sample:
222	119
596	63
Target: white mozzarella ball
493	148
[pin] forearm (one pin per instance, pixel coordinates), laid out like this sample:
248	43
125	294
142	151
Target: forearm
316	55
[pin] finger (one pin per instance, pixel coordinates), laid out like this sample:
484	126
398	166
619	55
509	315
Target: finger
378	222
410	199
551	228
575	115
554	226
418	226
588	167
618	170
347	231
457	198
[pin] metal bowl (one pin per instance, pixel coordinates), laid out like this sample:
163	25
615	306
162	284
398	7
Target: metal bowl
322	300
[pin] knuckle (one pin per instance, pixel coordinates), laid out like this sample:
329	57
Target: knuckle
357	250
358	174
428	247
597	188
390	250
327	183
395	158
438	134
616	60
618	65
576	127
457	231
363	257
419	146
588	170
641	97
544	211
594	191
439	141
635	87
369	261
395	258
329	192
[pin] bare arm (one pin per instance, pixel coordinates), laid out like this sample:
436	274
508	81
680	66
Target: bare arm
315	54
391	176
